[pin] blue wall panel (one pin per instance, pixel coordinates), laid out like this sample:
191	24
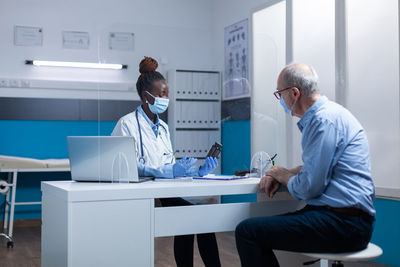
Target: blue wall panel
387	231
45	139
236	146
236	154
41	140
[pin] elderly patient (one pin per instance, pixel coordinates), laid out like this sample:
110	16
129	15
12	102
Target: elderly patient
335	180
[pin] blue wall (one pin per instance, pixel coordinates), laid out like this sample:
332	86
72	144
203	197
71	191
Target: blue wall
45	139
236	153
235	146
387	231
41	139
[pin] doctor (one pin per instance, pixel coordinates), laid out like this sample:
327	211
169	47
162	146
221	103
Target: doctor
156	158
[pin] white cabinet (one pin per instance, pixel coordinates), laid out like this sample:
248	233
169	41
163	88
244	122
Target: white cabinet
74	235
194	113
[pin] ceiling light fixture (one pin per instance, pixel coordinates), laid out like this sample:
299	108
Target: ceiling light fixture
41	63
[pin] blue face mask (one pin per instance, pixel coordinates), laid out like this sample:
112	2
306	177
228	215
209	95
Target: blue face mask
160	104
287	111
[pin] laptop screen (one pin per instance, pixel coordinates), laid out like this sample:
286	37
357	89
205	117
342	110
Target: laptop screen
103	158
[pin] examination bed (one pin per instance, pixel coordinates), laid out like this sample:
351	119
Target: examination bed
13	166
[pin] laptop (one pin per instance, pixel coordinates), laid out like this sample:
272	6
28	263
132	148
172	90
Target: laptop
103	159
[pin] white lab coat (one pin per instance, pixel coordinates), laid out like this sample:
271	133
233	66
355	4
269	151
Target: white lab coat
157	150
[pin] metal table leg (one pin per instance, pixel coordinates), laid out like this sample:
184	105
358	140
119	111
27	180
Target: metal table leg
6	208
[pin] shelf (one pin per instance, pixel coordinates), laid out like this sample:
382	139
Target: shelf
194	115
197	100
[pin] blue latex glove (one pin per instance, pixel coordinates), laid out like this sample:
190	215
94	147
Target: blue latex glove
209	166
180	168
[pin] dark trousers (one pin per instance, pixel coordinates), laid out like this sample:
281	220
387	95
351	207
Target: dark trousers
311	229
183	244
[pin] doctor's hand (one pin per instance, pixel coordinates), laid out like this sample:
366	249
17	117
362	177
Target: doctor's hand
209	166
180	168
269	185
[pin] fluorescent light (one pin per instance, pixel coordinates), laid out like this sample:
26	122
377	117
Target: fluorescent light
41	63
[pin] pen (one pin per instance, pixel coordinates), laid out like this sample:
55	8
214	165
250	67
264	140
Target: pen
272	159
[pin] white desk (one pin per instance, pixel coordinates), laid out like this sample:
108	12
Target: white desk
91	224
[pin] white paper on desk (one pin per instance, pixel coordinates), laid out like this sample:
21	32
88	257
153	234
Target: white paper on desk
220	177
174	180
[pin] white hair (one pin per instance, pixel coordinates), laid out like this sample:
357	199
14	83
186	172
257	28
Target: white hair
302	76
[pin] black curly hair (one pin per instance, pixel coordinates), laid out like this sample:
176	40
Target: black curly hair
147	68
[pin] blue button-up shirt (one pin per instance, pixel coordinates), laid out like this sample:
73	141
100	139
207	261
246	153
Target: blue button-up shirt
336	163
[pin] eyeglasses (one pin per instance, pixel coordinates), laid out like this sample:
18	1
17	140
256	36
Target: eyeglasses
277	93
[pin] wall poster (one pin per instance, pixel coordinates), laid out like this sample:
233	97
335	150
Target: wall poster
236	78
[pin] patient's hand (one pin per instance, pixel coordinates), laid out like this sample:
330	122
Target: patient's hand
282	175
269	185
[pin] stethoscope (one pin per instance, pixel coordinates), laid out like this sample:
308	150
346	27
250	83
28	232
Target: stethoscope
142	159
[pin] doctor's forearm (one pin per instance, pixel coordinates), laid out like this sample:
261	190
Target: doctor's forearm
164	171
193	171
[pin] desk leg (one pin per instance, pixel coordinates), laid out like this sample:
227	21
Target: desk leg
14	191
6	208
152	230
324	263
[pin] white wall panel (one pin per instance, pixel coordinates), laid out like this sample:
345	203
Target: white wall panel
177	31
373	71
267	118
313	42
314	39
